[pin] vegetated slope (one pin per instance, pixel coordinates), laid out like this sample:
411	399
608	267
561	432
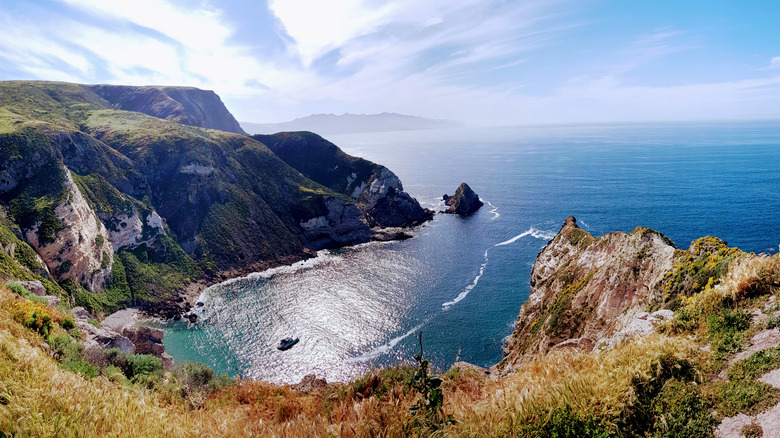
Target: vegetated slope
378	191
185	105
83	181
681	376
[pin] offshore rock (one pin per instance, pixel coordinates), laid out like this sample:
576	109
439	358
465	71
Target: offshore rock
463	202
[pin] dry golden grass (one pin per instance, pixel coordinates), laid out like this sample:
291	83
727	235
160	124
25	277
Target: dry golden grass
597	383
37	398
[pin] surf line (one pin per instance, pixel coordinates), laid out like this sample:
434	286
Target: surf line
539	234
494	210
533	232
385	348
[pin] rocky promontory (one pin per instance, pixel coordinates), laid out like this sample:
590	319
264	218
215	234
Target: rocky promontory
463	202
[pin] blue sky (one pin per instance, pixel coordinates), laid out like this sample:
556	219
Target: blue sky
480	61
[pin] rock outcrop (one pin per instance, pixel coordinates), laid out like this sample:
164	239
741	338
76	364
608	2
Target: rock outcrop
587	291
463	202
377	191
80	250
93	172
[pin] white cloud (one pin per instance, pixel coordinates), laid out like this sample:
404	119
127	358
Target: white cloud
774	62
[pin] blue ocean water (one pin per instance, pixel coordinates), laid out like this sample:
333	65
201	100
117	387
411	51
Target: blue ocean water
461	281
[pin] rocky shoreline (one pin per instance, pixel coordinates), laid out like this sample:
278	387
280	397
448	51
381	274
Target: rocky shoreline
181	304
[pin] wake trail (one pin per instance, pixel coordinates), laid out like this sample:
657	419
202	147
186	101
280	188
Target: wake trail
533	232
469	288
494	210
385	348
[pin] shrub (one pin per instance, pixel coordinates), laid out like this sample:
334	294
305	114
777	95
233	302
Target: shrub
680	411
67	323
64	348
144	365
196	376
726	329
34	316
565	422
23	292
70	354
429	410
81	367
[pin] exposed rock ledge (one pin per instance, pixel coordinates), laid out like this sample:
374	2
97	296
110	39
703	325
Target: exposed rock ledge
589	292
463	202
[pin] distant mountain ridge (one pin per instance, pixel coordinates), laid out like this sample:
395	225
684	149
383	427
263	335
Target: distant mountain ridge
350	123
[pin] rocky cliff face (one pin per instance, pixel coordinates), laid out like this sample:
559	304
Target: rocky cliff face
185	105
90	185
585	290
80	250
378	191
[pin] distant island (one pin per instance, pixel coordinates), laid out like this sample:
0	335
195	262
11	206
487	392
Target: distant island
350	123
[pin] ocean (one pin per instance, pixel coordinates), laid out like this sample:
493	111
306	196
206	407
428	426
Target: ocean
461	281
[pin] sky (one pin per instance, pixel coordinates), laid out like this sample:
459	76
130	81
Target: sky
482	62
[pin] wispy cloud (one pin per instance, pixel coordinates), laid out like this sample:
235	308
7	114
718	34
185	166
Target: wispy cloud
486	61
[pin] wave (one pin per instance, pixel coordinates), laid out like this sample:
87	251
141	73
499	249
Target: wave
533	232
494	210
470	287
322	256
385	348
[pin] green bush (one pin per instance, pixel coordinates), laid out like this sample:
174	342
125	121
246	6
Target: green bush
144	365
64	348
70	354
196	376
680	411
727	329
81	367
24	293
67	323
115	374
564	422
746	396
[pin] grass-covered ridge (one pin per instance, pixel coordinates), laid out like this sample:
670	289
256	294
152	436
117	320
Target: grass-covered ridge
226	201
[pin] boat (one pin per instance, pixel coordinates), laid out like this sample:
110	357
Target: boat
287	343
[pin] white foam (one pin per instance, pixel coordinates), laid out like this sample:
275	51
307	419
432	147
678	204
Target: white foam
321	257
583	223
494	210
469	288
533	232
382	349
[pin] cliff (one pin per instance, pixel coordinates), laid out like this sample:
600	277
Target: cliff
185	105
378	191
705	362
136	207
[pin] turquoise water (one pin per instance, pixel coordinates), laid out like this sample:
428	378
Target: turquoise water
462	280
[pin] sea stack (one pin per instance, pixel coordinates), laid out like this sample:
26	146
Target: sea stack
463	202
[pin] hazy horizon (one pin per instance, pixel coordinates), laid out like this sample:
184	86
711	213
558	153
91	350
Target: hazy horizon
485	63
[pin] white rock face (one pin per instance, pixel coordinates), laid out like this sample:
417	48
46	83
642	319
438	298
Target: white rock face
344	224
129	229
196	169
378	186
77	244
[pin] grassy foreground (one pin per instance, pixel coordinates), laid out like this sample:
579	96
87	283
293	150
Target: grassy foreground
659	385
